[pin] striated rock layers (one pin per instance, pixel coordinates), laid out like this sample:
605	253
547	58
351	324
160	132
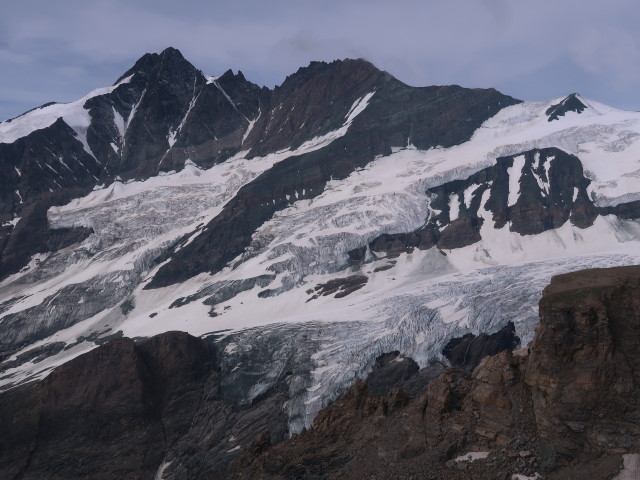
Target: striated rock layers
566	407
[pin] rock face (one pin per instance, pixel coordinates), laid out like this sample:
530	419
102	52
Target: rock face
533	192
466	352
125	410
585	362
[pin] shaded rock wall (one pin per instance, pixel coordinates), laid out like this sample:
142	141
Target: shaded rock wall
584	368
467	352
126	408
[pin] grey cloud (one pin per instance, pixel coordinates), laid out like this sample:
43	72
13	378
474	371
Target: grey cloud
500	10
498	43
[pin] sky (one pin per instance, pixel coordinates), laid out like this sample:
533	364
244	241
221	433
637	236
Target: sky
60	51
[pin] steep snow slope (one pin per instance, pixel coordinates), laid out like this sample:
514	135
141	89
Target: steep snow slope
261	307
74	114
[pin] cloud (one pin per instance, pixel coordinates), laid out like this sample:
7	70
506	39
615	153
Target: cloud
488	43
500	10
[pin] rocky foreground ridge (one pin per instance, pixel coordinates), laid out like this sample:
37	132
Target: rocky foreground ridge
565	407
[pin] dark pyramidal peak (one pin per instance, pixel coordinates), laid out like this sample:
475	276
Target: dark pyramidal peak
571	103
170	59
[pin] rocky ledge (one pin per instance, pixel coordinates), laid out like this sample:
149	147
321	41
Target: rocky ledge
565	407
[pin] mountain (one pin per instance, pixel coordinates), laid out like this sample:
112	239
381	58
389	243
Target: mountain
298	233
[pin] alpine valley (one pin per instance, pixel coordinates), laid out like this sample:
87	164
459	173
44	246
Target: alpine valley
194	269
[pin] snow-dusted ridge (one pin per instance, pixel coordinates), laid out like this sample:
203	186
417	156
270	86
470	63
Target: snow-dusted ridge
74	114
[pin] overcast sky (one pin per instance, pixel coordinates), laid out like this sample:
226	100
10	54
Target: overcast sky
59	51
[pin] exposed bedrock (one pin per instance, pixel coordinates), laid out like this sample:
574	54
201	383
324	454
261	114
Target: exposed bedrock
466	352
123	409
532	192
584	368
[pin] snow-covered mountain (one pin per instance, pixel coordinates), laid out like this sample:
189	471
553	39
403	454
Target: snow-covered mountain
304	230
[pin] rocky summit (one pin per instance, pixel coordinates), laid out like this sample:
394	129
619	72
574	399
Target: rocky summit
188	261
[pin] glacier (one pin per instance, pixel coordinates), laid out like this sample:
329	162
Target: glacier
264	318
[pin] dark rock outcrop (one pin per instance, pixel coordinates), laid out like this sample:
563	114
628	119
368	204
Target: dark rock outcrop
124	409
395	244
584	368
341	287
393	370
571	103
551	190
466	352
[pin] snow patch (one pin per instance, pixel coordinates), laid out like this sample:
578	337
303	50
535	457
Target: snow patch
535	476
515	172
118	122
630	468
358	107
11	222
250	127
124	80
74	114
472	456
454	207
468	194
161	469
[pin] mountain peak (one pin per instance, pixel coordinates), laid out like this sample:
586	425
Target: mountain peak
172	52
571	103
344	68
167	58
